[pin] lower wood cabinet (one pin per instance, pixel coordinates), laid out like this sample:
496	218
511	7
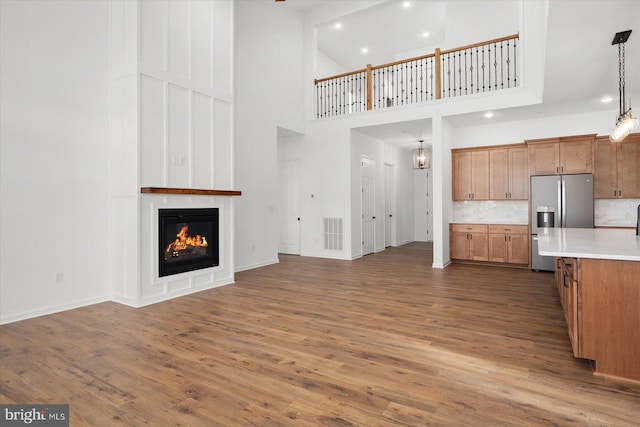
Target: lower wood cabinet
567	283
469	242
601	304
504	244
509	243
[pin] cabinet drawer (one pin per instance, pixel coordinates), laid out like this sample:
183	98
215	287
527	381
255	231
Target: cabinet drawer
508	229
469	228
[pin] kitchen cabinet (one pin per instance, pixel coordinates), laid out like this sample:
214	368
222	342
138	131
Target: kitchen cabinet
601	304
508	173
470	174
568	288
617	168
469	242
564	155
509	244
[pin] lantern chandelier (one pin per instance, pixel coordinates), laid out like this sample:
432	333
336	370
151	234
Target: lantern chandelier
421	158
625	123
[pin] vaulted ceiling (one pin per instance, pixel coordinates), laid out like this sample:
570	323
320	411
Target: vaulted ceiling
581	65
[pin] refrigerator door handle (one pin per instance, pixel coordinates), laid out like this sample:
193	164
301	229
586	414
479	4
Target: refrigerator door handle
560	211
564	204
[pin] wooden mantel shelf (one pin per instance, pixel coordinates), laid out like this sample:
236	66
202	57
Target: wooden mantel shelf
190	191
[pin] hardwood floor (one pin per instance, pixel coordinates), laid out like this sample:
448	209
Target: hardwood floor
380	341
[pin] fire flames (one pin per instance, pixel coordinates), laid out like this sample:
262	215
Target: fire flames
184	241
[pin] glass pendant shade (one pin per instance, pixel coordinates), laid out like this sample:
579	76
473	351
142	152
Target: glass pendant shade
421	158
624	126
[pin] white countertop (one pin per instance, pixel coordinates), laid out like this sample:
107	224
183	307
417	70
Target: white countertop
600	243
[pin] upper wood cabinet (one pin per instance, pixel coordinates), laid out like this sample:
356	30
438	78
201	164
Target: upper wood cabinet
508	174
470	174
565	155
617	167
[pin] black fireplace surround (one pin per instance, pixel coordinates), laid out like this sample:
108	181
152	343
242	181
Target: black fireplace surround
188	240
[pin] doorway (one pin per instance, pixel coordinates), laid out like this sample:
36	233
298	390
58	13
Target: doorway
289	179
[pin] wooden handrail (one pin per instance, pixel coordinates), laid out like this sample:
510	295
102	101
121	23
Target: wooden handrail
417	58
470	46
337	76
402	61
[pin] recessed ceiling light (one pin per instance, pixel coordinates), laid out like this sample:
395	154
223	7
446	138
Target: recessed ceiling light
337	25
406	4
488	114
606	99
364	50
425	34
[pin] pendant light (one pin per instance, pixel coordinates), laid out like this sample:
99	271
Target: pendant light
625	123
421	158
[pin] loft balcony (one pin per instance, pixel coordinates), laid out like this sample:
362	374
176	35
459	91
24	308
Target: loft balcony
483	67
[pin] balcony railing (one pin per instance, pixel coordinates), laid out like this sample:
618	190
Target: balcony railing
482	67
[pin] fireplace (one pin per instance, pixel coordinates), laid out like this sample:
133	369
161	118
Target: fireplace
188	240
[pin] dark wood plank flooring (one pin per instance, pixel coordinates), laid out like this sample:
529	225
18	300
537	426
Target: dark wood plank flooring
380	341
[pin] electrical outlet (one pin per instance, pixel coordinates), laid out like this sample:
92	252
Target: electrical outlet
59	277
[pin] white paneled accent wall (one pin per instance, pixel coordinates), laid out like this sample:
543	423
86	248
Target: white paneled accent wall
171	126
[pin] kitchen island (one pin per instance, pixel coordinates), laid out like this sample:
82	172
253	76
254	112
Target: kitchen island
598	279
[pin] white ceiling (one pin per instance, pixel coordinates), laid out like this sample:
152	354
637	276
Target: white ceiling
581	64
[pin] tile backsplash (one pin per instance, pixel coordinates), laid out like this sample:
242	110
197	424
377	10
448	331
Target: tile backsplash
616	212
492	211
607	212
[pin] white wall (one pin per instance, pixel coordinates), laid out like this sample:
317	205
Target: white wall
268	94
53	154
327	67
516	132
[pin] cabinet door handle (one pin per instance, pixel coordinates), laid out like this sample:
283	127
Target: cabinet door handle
615	193
506	196
505	238
509	238
509	195
557	169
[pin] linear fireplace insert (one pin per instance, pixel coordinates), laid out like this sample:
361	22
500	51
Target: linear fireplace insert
188	240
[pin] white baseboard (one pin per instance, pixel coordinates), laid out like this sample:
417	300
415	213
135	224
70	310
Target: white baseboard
52	309
256	265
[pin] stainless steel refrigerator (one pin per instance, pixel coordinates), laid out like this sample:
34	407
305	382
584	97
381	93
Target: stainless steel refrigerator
564	201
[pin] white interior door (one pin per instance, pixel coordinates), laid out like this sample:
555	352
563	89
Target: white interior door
368	213
388	204
289	207
429	206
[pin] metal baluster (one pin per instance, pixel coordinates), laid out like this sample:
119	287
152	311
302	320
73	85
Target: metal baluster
483	84
489	67
501	65
508	65
495	65
454	73
515	63
459	73
471	68
477	71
